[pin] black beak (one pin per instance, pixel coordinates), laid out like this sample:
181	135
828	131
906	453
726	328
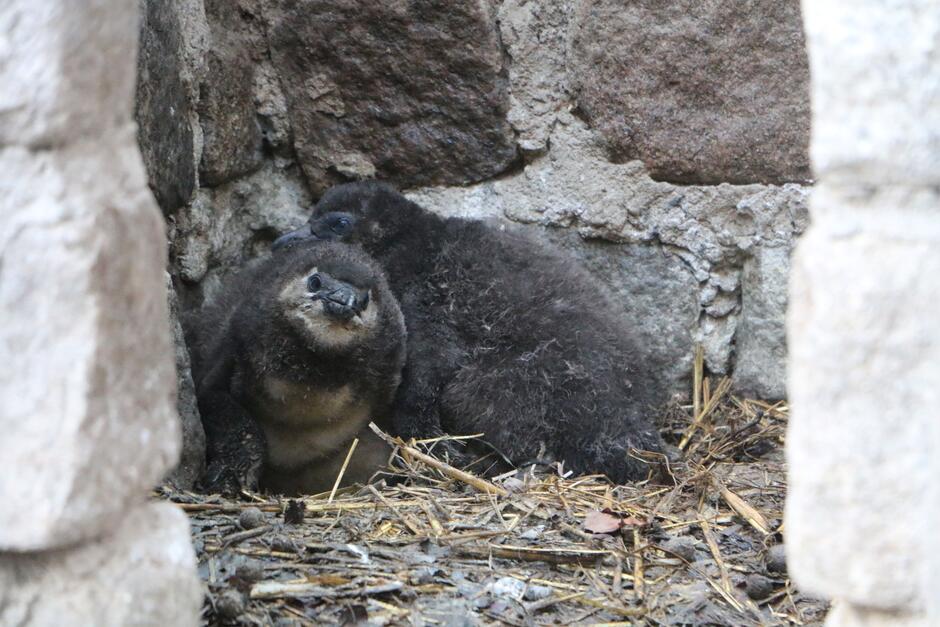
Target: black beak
344	302
294	236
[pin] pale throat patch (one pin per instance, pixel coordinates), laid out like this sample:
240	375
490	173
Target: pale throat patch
303	422
325	330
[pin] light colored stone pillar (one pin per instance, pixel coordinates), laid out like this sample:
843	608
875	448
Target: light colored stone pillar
87	384
864	320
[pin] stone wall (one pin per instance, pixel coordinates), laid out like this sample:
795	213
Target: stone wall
665	143
87	383
865	334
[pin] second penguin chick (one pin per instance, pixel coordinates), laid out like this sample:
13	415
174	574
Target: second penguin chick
291	362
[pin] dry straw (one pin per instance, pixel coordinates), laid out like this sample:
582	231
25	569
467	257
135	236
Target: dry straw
434	540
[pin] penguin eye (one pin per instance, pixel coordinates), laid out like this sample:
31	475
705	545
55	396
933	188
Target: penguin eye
341	225
314	283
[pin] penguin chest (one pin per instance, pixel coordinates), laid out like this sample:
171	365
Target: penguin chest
304	423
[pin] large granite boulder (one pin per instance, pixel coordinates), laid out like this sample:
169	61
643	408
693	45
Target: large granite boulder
87	382
702	92
166	100
412	92
232	138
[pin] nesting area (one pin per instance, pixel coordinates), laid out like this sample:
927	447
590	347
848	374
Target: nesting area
699	543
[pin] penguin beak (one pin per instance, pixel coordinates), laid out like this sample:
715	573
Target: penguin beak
294	236
344	302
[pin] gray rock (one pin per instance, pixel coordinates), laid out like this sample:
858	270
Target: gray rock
535	35
760	369
301	95
63	71
680	546
225	226
708	92
776	559
250	518
142	573
408	92
230	604
507	587
536	593
758	587
231	134
87	380
166	98
192	461
232	137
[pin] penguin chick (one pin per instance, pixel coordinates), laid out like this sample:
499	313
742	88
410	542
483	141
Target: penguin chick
292	360
507	335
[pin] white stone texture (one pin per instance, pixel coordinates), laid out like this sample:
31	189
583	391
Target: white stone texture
848	615
142	574
864	389
87	385
875	67
56	81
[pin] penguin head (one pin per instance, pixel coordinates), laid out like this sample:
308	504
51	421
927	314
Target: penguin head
363	212
331	294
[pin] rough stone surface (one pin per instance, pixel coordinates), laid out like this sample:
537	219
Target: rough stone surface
876	90
87	386
225	226
232	137
55	87
863	394
848	615
410	92
708	92
143	574
192	461
171	32
761	349
712	230
535	36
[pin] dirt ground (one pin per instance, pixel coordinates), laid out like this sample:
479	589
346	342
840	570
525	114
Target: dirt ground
696	544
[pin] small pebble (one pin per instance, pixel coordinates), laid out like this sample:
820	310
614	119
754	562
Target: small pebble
514	485
250	571
680	546
758	587
424	575
483	601
673	453
459	618
533	533
468	589
250	518
507	587
776	560
283	544
499	606
229	604
537	593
